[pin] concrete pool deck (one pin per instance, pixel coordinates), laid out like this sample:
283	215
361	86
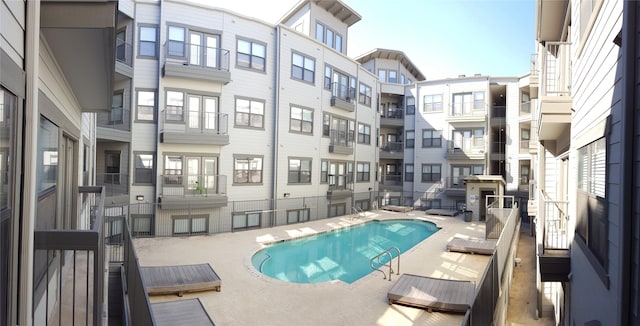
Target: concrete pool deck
250	298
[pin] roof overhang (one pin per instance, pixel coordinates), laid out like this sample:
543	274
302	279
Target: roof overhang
392	55
337	8
550	19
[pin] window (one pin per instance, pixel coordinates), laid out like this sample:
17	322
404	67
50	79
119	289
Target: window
337	209
338	43
336	173
341	131
525	135
172	170
148	40
146	105
393	76
117	115
249	113
464	103
246	220
365	95
409	142
247	170
459	172
326	125
431	138
297	215
466	139
328	73
176	42
433	103
411	106
324	171
524	173
382	75
342	86
175	106
301	120
328	37
190	175
303	68
251	55
431	172
320	32
402	79
364	134
143	168
408	172
362	171
190	224
299	170
591	201
363	205
478	100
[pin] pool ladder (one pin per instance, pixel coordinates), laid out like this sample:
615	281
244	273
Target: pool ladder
385	254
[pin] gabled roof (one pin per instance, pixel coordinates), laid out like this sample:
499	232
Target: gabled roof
378	53
337	8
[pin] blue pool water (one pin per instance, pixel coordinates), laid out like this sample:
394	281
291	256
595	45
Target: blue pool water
339	255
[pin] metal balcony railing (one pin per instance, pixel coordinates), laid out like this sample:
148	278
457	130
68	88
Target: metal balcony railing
343	92
469	108
76	257
197	55
115	184
392	114
119	118
392	147
556	69
182	185
196	121
341	138
392	180
525	107
455	182
556	224
124	52
473	144
339	182
498	111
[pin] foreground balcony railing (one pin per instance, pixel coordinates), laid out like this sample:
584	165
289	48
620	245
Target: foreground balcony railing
455	182
556	68
197	55
115	184
69	266
525	108
177	119
475	144
343	92
392	180
556	225
392	147
119	118
341	138
392	114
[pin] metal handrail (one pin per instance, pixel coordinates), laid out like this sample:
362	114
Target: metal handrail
377	257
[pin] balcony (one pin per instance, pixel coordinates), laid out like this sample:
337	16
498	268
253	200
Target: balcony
524	146
498	116
498	149
392	182
455	185
554	119
343	97
192	191
534	78
550	19
525	108
473	111
114	125
554	251
194	61
116	186
392	150
200	128
392	118
76	255
124	59
466	149
339	190
341	142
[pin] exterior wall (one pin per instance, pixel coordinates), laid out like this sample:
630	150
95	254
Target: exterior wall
301	21
12	16
596	99
319	15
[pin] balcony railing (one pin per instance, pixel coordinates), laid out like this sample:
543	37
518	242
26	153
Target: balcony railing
119	118
555	223
341	138
197	55
392	114
525	108
468	109
76	257
498	111
196	121
392	147
193	185
556	72
343	92
124	52
115	184
392	180
455	182
474	144
524	144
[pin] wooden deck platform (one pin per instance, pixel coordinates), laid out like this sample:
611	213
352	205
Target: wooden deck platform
184	312
472	246
180	279
432	293
442	212
395	208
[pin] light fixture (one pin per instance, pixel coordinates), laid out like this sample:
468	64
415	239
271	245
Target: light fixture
139	197
286	194
370	188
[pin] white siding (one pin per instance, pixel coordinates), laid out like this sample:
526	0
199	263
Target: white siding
12	27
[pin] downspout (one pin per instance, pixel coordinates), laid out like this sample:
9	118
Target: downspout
276	106
627	192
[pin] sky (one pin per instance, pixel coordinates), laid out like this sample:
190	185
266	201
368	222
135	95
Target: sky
443	38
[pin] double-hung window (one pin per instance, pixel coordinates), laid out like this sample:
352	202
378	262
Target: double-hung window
364	133
410	139
247	170
176	42
328	37
342	86
148	41
411	106
143	168
432	103
408	172
393	76
249	113
146	105
362	171
251	54
174	110
299	170
365	95
303	67
301	120
431	172
431	138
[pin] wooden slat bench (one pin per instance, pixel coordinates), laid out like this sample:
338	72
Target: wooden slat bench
472	246
432	293
180	279
183	312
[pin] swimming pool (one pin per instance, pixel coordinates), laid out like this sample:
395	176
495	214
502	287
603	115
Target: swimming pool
342	254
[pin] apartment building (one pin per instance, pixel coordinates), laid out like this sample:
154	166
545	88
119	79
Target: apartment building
584	79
